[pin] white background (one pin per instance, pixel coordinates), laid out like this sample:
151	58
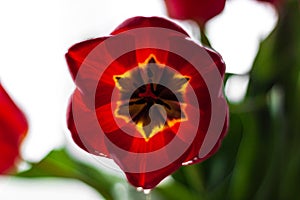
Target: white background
35	35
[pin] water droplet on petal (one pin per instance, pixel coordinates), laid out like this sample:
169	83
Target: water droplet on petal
147	191
187	163
139	189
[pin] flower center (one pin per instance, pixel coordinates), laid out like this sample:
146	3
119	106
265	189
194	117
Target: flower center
151	97
149	107
148	94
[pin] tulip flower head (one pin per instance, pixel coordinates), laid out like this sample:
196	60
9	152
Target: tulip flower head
13	129
199	10
148	97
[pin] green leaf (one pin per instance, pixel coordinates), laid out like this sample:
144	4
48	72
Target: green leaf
58	163
263	75
192	177
176	191
218	169
241	182
269	156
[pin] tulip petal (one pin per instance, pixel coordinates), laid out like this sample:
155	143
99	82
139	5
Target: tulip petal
141	22
85	131
13	129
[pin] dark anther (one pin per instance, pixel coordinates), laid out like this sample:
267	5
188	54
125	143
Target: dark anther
152	60
117	78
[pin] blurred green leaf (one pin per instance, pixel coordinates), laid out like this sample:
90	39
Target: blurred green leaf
248	155
263	73
191	177
290	84
176	191
277	53
268	162
58	163
218	169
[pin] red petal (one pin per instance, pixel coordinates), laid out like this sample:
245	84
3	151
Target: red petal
190	51
106	83
218	61
150	179
13	128
77	54
144	178
196	146
138	144
140	22
9	155
84	127
85	62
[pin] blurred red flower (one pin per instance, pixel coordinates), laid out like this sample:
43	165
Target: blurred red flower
199	10
13	129
141	102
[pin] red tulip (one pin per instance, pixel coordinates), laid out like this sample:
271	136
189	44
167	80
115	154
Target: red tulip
13	128
199	10
147	97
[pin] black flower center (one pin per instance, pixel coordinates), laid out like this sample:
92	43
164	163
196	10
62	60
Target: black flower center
151	96
148	95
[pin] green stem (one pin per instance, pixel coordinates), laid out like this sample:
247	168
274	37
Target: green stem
204	38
